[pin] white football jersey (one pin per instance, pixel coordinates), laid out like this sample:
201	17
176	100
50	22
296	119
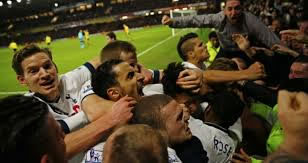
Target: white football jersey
95	155
215	140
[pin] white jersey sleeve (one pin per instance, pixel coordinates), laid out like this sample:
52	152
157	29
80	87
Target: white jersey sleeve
75	86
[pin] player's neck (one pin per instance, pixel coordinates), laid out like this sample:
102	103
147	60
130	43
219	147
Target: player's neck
198	64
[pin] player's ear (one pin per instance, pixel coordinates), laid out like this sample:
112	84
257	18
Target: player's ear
114	93
190	54
21	79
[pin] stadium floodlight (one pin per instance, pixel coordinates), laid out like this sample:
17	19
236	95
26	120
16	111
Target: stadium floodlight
181	13
1	3
18	1
124	17
152	13
160	12
9	2
56	4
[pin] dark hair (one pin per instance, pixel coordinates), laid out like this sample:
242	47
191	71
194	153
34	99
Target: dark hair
212	34
224	64
169	80
182	50
24	53
147	111
228	107
302	59
105	78
113	50
23	125
132	140
295	85
111	35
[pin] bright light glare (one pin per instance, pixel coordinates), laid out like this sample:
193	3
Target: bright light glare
56	4
9	2
1	4
18	1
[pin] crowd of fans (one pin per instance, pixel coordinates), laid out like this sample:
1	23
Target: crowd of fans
247	104
61	18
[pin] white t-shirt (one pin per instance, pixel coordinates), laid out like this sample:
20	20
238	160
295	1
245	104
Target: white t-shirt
95	155
74	88
215	140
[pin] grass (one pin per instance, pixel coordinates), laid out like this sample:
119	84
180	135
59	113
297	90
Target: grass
68	55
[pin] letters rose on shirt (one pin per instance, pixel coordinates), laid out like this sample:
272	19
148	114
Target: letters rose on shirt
222	147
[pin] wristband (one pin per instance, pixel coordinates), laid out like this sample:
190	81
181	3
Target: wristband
155	76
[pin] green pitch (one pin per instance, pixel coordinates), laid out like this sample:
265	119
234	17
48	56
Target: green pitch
155	49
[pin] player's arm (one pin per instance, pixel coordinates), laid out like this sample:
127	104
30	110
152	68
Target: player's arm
195	78
91	134
255	71
210	20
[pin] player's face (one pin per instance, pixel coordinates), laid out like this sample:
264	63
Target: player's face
304	27
215	41
298	70
40	75
233	11
131	82
176	117
190	103
200	50
109	40
131	59
56	141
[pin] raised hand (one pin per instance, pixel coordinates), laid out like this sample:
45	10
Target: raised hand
241	41
166	20
284	50
121	110
293	112
191	79
241	157
295	35
264	50
255	71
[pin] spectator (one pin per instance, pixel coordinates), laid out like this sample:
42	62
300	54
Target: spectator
228	22
111	37
212	46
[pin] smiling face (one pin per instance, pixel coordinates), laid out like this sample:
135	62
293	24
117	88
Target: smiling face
233	11
40	75
176	117
131	82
